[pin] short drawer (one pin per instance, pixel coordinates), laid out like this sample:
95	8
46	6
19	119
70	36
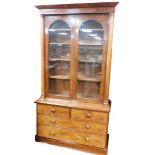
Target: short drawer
89	115
72	136
52	110
81	125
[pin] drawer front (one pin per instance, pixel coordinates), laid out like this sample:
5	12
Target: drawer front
89	115
52	110
72	136
98	128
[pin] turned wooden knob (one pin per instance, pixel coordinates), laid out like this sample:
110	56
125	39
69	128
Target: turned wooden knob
87	115
87	139
52	121
52	133
53	110
87	126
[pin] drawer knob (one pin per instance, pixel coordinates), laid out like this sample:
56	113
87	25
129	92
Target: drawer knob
87	126
87	139
87	115
53	110
53	121
52	133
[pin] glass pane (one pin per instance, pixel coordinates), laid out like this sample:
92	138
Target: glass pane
59	58
90	59
59	36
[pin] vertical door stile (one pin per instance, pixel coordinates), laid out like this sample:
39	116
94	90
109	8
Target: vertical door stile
104	57
109	55
72	60
42	34
46	56
75	44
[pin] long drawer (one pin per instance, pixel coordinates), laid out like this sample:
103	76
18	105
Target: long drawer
72	136
89	115
52	110
82	125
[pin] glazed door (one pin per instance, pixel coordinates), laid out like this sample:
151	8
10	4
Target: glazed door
59	56
75	56
91	48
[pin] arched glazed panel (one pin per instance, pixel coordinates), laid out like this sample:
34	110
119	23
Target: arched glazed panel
90	47
59	38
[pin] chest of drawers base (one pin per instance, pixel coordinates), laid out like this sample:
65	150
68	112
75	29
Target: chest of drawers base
83	129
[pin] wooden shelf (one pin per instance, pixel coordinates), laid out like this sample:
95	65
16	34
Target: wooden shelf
84	44
59	30
80	78
87	97
59	59
68	60
59	43
89	79
91	61
61	77
90	30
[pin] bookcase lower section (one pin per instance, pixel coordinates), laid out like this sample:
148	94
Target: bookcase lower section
85	148
78	128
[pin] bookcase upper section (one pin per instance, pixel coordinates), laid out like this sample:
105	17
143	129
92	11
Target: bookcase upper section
76	42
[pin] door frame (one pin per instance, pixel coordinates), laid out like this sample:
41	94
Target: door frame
103	20
49	20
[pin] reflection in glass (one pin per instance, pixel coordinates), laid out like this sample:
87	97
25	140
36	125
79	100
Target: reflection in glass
90	59
59	58
59	36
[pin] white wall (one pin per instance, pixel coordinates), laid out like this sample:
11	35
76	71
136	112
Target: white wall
132	123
